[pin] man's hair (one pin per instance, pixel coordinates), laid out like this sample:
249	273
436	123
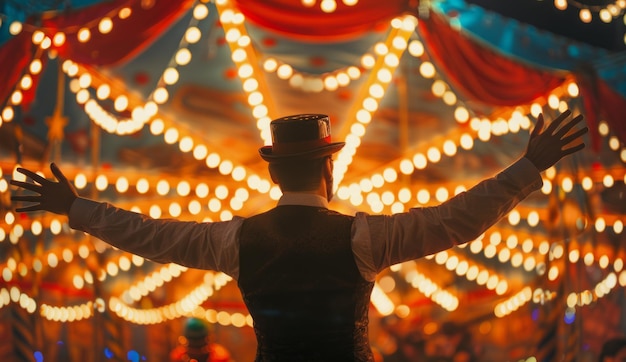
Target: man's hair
298	175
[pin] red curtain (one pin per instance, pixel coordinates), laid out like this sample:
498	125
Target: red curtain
485	76
480	73
294	20
15	56
128	37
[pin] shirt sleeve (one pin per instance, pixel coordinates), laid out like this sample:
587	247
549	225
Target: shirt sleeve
205	245
380	241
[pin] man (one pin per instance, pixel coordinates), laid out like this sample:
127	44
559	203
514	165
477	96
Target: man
306	272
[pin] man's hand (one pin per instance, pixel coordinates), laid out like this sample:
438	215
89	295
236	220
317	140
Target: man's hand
56	197
548	147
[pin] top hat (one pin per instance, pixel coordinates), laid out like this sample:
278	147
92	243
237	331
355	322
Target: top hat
301	136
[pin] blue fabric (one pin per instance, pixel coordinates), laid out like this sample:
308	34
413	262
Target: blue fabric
533	46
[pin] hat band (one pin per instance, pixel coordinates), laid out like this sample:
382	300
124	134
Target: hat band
284	148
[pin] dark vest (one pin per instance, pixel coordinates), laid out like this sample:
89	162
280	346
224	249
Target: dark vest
302	287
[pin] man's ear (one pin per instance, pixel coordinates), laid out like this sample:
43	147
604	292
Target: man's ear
328	167
328	177
272	175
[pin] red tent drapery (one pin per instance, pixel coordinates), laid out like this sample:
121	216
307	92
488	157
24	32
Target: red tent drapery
127	38
481	74
15	55
297	21
485	76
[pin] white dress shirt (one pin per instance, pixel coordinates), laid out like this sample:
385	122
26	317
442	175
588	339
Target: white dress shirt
378	241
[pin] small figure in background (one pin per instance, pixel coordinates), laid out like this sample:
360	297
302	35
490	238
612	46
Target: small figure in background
195	345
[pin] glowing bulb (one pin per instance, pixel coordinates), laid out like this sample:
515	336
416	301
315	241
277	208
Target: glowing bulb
121	185
560	4
200	11
103	91
170	76
101	182
163	187
58	39
15	28
142	186
585	15
160	95
416	48
193	35
121	103
427	70
84	35
35	66
183	56
124	13
38	36
105	26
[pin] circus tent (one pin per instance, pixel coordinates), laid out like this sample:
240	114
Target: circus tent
160	107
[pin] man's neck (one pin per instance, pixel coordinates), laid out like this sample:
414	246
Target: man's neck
303	198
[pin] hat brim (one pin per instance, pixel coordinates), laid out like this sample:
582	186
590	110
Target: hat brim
327	150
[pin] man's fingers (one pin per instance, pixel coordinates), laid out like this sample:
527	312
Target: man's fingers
57	173
26	185
32	175
569	125
28	208
557	121
538	126
571	150
26	198
574	135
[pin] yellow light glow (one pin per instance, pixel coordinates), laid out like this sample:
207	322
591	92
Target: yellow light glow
121	103
157	127
35	66
15	28
37	36
449	98
183	56
186	144
103	91
171	135
124	13
84	35
560	4
399	43
121	184
381	301
16	97
192	35
427	70
163	187
105	25
170	76
101	182
200	11
585	15
160	95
